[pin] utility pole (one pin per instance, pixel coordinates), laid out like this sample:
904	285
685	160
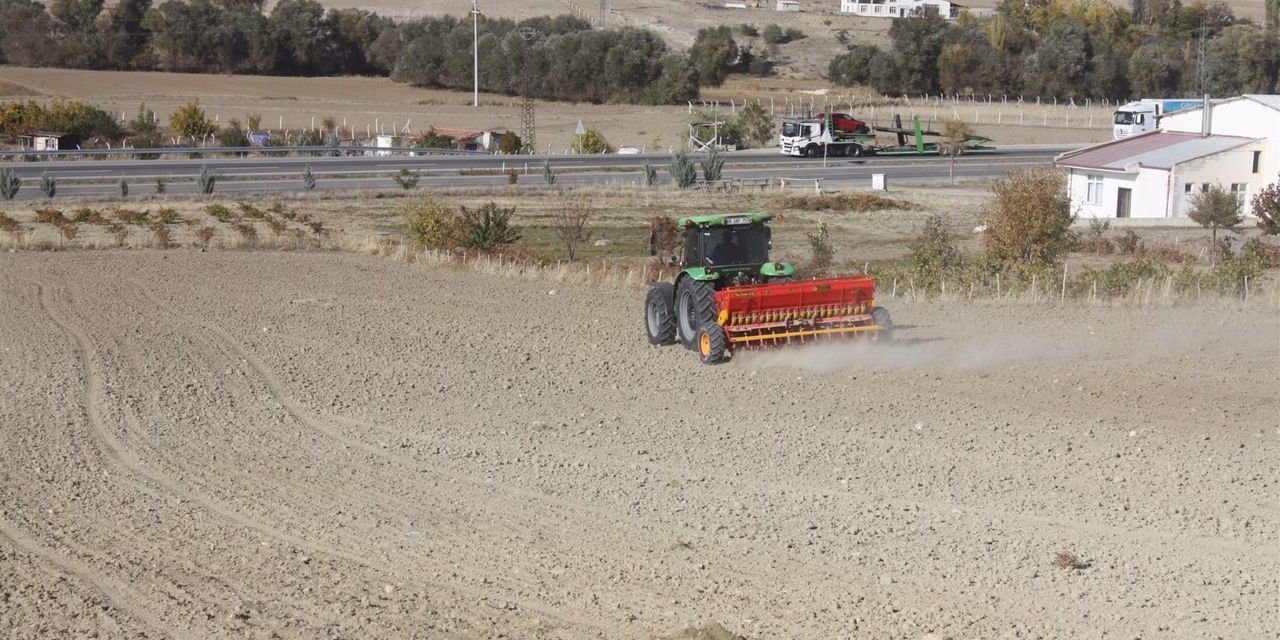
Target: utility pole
475	49
527	132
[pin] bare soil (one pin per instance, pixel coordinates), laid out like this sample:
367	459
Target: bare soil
233	444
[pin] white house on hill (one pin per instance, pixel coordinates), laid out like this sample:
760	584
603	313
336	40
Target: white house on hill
899	8
1154	175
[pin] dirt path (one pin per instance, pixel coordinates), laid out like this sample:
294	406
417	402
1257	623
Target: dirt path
239	444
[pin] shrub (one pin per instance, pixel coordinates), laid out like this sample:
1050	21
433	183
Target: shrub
69	231
429	139
160	186
664	237
1267	254
48	185
220	213
592	141
712	165
407	179
683	173
123	188
49	216
166	215
204	235
1266	207
190	121
1129	243
308	178
206	181
548	174
248	232
1120	278
487	228
513	176
650	175
276	225
161	236
1030	218
855	201
9	183
234	136
821	251
133	216
430	225
934	254
249	211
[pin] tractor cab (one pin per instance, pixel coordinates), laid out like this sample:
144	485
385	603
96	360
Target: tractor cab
730	250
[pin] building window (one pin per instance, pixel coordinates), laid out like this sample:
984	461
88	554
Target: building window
1238	190
1186	188
1257	159
1094	193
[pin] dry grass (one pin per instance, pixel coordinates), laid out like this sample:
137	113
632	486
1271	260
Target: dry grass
1068	560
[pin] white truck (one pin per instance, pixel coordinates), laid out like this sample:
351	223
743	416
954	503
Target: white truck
827	134
1142	115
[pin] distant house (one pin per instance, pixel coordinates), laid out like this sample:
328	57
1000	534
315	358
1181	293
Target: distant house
52	140
475	139
899	8
787	5
1236	146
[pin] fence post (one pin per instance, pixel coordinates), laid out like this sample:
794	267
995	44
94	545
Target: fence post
1063	298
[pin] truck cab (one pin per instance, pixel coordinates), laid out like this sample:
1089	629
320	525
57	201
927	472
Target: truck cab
1144	115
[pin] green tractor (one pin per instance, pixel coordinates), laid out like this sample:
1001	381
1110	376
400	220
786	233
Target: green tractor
730	295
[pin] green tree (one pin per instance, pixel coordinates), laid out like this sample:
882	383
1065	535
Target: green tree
853	66
592	141
1029	219
124	38
1215	208
429	139
82	119
714	53
1060	62
756	124
917	43
301	43
190	121
27	37
233	135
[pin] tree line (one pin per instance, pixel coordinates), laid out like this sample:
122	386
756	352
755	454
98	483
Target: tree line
1072	49
551	57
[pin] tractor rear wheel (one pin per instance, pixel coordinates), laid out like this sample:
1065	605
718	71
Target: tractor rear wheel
695	305
659	313
880	316
712	344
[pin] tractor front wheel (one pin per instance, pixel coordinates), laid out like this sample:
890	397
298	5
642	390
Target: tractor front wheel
712	344
695	305
880	316
659	314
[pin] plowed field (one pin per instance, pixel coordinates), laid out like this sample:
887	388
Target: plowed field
302	445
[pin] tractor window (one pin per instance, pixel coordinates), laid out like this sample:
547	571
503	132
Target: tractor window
790	129
726	246
1124	117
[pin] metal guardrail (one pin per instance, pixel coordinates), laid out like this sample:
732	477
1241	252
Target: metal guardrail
313	151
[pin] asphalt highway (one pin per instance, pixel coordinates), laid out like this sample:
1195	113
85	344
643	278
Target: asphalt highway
87	177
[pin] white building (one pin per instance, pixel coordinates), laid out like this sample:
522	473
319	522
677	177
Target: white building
787	5
1154	175
899	8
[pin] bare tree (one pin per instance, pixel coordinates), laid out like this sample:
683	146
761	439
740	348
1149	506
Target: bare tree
954	134
570	223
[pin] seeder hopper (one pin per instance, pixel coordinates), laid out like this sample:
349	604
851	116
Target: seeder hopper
729	296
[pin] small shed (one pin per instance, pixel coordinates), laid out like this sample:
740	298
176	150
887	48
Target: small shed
787	5
52	140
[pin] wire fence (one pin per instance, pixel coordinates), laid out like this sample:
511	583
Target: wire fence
990	109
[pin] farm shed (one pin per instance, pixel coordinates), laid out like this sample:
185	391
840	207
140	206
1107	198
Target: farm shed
899	8
51	141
